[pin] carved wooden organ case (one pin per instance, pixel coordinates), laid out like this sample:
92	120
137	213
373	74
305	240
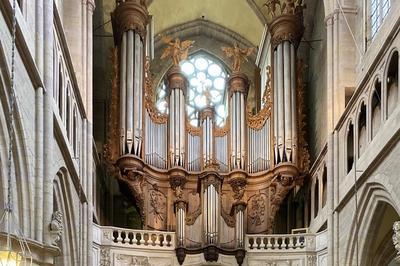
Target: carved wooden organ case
211	185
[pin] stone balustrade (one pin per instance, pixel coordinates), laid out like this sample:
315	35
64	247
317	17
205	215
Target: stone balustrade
138	239
280	243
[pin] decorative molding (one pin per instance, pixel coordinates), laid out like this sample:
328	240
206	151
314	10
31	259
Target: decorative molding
257	121
396	237
130	15
105	257
303	153
154	114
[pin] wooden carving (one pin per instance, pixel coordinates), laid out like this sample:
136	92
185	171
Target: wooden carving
194	208
303	154
256	211
222	131
154	114
257	121
238	55
111	148
282	7
176	49
157	209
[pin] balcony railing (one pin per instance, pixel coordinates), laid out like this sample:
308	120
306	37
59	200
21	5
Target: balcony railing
280	243
138	239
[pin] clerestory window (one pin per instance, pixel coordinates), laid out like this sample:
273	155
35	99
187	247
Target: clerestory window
207	79
378	11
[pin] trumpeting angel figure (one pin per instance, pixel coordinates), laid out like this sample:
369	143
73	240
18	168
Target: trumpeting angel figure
239	55
176	49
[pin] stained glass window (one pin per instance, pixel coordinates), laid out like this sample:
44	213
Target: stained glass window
207	78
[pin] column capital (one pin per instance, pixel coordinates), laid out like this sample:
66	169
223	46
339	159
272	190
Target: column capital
130	15
90	5
238	82
176	79
286	22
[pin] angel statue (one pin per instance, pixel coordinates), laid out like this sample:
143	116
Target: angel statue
239	55
176	49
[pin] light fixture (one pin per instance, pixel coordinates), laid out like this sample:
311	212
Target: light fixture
12	254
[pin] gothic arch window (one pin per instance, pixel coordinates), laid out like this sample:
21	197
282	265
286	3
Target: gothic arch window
376	108
378	9
350	147
392	82
362	129
68	112
324	186
206	77
316	197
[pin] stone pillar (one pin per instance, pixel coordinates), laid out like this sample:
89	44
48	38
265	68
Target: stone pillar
286	30
177	116
130	19
238	87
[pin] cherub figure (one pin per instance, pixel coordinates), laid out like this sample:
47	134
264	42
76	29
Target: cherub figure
238	54
176	49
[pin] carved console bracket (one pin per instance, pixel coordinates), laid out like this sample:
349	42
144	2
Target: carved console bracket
211	253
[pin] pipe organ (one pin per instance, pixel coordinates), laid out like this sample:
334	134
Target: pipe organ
210	183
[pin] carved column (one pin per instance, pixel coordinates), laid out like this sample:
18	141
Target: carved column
177	117
238	88
286	29
130	19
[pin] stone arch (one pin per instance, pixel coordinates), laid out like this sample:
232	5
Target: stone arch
373	201
64	203
375	106
391	82
361	127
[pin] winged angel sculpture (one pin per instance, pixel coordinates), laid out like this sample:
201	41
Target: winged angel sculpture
238	54
176	49
286	6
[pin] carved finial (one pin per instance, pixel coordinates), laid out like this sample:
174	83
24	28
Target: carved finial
176	49
239	55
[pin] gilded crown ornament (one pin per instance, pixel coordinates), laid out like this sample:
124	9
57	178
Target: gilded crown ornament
176	49
285	20
238	55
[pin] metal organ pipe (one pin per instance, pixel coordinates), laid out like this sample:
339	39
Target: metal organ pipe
177	118
280	103
238	86
293	101
122	94
287	95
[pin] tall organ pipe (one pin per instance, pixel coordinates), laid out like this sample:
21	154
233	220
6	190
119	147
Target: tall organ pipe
130	19
238	87
177	118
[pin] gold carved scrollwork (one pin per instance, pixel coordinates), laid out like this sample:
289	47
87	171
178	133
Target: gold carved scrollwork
222	131
154	114
303	155
192	130
257	121
111	148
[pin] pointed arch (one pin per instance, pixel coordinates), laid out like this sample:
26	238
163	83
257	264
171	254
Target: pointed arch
372	198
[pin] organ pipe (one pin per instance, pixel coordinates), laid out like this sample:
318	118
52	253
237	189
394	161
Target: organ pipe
238	87
130	19
177	118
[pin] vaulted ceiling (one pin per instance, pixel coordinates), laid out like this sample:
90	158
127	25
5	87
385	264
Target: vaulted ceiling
239	16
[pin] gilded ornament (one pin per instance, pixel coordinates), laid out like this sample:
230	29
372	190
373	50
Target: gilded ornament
238	55
257	121
176	49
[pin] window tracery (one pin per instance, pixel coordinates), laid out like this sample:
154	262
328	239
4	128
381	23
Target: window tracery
206	87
